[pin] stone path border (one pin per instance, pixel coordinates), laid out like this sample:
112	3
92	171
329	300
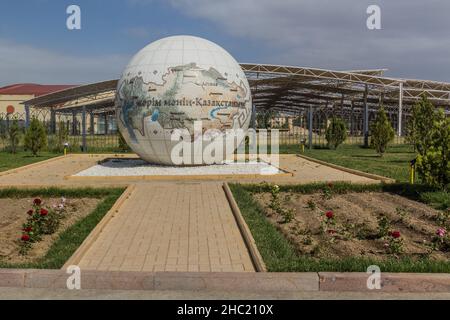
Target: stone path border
242	282
282	173
257	260
90	239
352	171
32	165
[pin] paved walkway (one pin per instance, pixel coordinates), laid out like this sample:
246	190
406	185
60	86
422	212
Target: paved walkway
171	227
54	173
168	226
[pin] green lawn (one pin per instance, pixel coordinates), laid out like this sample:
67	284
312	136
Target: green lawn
394	164
10	161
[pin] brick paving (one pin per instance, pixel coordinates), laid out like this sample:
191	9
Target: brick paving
171	227
168	226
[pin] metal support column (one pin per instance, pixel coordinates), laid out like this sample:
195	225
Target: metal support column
53	121
106	123
366	118
83	130
310	128
352	128
253	118
27	116
74	123
91	123
400	109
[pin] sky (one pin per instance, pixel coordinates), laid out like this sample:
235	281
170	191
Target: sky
37	47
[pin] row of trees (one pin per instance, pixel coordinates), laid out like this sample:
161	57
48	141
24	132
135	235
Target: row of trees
34	137
428	131
382	132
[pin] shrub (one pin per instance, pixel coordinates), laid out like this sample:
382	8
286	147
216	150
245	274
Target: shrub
336	133
382	132
35	137
432	141
41	221
14	134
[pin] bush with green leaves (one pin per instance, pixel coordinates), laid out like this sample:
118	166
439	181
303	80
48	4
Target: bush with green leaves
58	141
432	141
382	132
14	133
336	133
35	137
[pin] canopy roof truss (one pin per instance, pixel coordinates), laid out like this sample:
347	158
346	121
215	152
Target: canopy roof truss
276	87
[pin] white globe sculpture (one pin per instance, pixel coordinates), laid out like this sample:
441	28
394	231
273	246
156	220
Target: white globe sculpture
173	83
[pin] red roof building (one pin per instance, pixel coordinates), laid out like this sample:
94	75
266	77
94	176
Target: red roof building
32	89
12	96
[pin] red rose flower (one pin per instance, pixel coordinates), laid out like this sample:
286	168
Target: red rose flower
330	215
44	212
395	234
30	212
28	229
37	201
25	238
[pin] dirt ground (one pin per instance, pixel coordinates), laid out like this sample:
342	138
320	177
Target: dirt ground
13	215
355	229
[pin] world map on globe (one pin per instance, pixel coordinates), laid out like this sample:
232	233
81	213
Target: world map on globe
154	98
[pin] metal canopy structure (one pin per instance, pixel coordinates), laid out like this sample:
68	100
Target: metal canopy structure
278	82
289	90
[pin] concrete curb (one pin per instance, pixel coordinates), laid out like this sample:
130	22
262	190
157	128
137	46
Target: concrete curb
390	282
175	178
238	282
257	259
90	239
99	280
352	171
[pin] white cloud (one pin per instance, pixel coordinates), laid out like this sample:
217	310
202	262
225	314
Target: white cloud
24	63
414	41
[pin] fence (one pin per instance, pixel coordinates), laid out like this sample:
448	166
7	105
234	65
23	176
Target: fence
305	126
101	133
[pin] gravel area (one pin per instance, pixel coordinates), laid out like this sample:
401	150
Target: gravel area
137	167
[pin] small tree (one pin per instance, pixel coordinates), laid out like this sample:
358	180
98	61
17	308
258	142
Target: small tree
336	133
382	132
434	165
35	137
411	133
432	140
423	116
14	134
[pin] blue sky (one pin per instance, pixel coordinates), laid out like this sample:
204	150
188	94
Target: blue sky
35	45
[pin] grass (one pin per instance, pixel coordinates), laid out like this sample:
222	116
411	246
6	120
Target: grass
280	255
394	164
69	240
10	161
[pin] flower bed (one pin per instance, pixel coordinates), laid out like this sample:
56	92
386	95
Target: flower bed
373	225
30	226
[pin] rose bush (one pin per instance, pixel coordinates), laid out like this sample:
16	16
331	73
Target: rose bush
40	221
